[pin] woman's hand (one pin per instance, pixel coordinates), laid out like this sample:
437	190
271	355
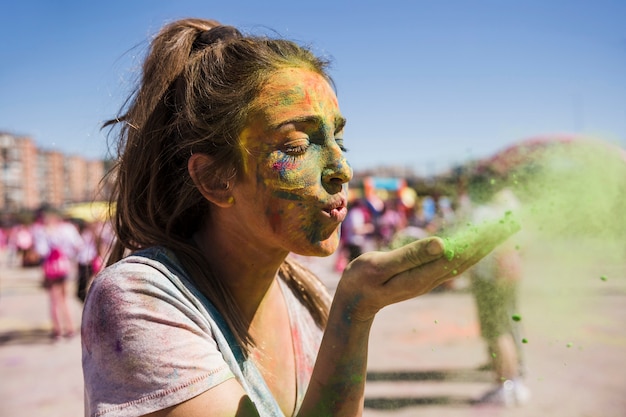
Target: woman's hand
377	279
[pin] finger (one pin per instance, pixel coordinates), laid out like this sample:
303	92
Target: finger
417	281
411	255
462	251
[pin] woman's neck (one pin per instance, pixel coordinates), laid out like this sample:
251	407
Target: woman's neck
247	270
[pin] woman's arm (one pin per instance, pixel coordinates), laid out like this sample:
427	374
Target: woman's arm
369	283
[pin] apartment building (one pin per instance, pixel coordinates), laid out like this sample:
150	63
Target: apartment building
30	177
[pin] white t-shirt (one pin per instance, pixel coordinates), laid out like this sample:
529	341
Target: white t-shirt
151	340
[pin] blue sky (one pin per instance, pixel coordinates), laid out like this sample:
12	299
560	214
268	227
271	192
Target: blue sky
424	84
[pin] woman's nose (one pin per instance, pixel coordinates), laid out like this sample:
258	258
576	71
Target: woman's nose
337	169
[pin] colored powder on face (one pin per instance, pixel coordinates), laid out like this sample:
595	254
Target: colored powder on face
285	195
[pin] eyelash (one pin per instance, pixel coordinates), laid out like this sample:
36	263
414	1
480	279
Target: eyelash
339	142
301	149
296	150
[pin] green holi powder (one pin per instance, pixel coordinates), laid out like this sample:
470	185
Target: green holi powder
462	239
570	197
357	378
574	189
516	317
448	251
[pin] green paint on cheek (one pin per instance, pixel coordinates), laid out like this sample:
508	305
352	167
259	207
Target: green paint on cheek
313	232
285	195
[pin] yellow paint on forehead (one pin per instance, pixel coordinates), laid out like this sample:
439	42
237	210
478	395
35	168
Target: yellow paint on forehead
294	92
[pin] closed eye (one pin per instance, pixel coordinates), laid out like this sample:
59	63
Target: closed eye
296	147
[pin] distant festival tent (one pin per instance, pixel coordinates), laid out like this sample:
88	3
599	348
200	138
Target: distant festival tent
89	212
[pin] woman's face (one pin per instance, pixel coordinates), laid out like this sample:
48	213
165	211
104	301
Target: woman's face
292	194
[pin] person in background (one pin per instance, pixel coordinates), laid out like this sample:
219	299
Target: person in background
357	230
21	246
231	157
57	242
89	257
390	221
494	284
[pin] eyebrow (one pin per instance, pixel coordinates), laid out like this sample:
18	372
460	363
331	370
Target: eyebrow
340	121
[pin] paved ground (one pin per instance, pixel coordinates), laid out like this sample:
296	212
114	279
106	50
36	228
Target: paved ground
424	353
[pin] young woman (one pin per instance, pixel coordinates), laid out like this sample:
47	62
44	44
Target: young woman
231	156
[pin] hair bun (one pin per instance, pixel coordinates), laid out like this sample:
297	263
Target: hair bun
214	35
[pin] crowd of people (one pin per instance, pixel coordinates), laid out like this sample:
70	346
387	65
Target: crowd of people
385	221
65	249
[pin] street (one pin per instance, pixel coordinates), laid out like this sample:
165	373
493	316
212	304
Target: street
424	355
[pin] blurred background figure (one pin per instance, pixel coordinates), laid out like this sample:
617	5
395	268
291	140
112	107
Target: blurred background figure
357	231
20	246
494	284
93	222
89	257
390	221
58	243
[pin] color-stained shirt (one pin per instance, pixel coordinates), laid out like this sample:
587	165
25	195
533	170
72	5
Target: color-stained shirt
151	340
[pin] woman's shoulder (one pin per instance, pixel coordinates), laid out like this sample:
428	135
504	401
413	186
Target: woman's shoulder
146	271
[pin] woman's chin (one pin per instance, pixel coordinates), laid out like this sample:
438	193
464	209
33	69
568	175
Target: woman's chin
320	249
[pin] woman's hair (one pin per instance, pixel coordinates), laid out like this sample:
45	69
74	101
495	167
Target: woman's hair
198	84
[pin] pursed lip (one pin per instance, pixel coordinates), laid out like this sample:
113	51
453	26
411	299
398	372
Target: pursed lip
336	209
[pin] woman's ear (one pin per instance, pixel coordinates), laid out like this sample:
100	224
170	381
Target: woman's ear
208	181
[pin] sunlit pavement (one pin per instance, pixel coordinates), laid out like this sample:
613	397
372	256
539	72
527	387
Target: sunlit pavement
424	353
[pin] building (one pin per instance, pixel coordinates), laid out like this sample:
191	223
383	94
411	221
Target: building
31	177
